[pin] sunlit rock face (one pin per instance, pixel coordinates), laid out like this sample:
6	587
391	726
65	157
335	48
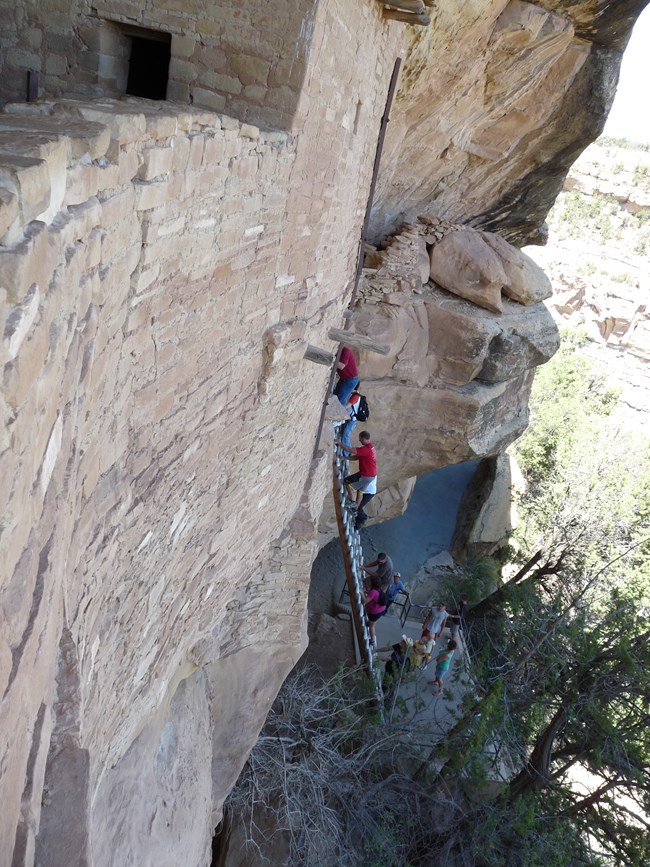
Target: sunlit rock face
496	100
455	383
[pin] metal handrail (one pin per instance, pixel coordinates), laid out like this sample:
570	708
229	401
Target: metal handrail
352	552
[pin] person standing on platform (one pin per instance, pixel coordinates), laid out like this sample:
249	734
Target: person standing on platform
456	621
396	586
443	661
436	619
346	367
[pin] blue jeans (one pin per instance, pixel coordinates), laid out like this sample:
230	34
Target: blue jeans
346	431
345	387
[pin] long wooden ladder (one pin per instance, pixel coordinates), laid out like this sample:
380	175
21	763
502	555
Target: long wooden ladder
352	553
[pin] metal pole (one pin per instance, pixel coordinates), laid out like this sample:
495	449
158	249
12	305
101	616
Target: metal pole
364	231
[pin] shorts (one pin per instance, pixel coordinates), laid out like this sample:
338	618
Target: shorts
373	618
441	670
366	484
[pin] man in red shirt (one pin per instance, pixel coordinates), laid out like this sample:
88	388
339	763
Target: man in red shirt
363	483
346	367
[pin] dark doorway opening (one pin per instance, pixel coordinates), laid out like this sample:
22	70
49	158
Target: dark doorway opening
149	64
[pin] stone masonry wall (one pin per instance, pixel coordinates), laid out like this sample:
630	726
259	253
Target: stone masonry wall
162	270
245	57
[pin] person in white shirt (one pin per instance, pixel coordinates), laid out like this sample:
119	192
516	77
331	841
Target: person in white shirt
435	620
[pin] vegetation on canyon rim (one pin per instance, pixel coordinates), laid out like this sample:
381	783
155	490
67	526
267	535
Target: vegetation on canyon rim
561	655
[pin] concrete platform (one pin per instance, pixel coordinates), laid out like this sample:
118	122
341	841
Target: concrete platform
440	711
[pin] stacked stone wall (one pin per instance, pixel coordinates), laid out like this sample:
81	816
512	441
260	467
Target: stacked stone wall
162	271
245	57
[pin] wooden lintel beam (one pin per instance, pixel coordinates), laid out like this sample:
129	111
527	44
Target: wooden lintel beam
358	341
406	5
318	355
407	17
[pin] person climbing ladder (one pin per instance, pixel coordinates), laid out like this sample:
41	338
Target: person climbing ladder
363	483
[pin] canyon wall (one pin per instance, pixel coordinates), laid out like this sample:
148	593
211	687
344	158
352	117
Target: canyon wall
519	89
163	268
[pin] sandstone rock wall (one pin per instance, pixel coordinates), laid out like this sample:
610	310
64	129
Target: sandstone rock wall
519	90
455	383
163	269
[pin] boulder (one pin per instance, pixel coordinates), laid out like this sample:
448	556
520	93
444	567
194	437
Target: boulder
462	263
440	340
526	282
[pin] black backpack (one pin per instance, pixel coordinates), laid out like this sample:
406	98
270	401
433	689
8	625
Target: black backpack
383	598
362	412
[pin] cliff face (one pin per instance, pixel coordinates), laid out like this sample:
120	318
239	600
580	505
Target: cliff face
162	271
518	90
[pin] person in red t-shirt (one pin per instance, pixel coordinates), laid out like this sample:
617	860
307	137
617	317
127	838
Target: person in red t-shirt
346	367
362	486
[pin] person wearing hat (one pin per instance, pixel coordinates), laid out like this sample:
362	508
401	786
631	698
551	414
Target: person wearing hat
396	586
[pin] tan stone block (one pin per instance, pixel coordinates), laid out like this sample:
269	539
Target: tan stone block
233	148
56	64
155	161
81	184
143	277
165	354
214	150
181	154
124	126
28	364
128	165
208	99
83	137
182	70
33	37
182	46
197	143
208	27
246	167
249	131
18	57
108	177
28	178
255	92
118	206
250	69
89	472
115	247
8	211
30	263
178	91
